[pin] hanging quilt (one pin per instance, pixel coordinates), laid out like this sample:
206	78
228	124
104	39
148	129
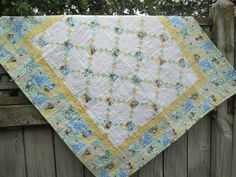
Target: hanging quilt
117	89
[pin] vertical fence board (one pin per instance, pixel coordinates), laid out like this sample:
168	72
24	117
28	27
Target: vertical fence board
67	164
207	30
12	159
222	14
135	174
175	159
234	127
234	149
87	173
39	151
153	168
199	146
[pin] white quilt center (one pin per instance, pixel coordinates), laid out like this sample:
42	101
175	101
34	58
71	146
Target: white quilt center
124	71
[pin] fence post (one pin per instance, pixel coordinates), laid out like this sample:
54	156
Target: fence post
222	14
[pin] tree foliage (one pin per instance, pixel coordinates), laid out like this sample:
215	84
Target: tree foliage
105	7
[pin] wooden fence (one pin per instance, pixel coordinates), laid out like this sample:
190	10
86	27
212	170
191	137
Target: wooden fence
30	148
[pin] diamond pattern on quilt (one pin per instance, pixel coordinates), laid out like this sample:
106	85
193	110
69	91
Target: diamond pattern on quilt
125	80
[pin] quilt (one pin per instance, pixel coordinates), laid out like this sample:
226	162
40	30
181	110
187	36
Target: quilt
117	89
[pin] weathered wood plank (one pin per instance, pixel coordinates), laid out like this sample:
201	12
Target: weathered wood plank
67	164
2	70
87	173
208	31
204	21
5	93
5	78
222	14
39	151
153	168
175	159
234	149
15	100
135	174
12	159
234	124
6	82
20	115
199	148
8	85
